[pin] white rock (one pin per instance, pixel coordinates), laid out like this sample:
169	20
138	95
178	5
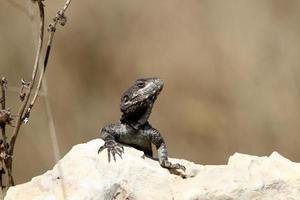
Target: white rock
84	175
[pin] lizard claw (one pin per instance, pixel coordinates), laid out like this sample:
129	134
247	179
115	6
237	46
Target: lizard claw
113	148
179	166
167	164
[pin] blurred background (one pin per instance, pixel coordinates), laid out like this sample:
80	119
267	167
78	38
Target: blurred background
231	72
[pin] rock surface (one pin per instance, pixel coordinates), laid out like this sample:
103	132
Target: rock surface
84	175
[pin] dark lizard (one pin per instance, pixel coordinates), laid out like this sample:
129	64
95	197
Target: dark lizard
134	129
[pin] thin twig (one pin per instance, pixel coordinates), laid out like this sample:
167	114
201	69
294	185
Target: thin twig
27	87
3	84
27	95
61	19
54	140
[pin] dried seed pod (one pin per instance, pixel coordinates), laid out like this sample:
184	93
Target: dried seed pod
61	18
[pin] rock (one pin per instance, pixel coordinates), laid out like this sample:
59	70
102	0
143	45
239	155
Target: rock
84	175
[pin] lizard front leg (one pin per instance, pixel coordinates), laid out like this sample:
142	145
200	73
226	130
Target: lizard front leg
109	134
158	141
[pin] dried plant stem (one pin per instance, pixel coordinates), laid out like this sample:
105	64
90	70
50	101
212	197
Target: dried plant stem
59	18
3	83
54	141
8	161
1	194
7	148
3	92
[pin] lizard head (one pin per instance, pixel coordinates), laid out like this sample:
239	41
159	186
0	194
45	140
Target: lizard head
140	95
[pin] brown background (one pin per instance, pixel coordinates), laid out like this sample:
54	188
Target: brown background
231	72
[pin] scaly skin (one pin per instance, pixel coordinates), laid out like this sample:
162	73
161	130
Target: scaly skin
134	128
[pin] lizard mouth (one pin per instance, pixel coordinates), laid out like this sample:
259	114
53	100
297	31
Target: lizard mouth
138	103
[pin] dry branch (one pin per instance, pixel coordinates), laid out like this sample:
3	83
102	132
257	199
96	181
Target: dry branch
3	84
61	19
7	149
8	162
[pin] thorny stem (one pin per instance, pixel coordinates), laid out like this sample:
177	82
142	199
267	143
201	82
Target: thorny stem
8	162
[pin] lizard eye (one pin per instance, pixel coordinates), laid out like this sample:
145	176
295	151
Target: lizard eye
140	84
125	98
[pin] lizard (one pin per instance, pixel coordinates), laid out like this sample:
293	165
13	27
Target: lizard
133	129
